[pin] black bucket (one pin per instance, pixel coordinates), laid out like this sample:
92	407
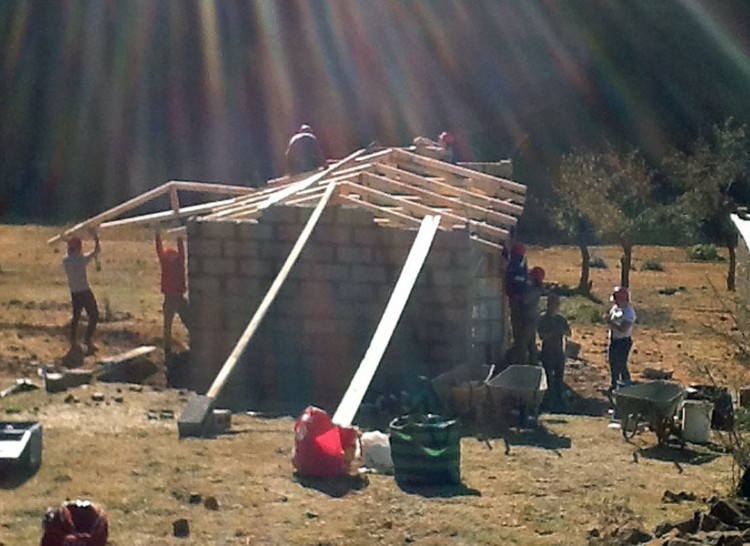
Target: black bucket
722	417
426	450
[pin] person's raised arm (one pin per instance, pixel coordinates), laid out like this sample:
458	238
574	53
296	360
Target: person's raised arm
97	247
157	239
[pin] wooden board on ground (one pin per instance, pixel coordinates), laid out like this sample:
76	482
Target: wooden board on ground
358	387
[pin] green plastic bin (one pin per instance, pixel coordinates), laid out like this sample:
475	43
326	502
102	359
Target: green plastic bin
426	450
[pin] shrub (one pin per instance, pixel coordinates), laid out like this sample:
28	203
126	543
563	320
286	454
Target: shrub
652	264
704	253
598	263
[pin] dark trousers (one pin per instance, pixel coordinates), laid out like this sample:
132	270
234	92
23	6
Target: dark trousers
83	300
617	354
554	367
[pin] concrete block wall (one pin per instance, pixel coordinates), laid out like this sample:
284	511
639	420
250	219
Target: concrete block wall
320	325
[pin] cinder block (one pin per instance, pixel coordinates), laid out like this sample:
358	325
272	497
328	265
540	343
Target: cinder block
219	266
354	291
275	250
329	272
315	251
212	229
205	248
368	273
439	258
255	268
289	232
354	217
354	254
204	283
454	240
240	248
366	235
320	326
246	229
262	231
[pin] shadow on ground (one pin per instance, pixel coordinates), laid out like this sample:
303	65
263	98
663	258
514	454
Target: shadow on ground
443	491
337	487
680	455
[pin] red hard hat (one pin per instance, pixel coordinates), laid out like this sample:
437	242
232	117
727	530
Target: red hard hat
74	243
446	137
517	250
536	274
621	291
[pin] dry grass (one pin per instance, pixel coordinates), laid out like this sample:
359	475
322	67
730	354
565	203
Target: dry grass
549	490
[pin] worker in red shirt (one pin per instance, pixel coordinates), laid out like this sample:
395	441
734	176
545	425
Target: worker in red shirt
172	264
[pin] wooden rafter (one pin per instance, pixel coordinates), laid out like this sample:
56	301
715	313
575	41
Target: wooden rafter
474	212
491	185
437	186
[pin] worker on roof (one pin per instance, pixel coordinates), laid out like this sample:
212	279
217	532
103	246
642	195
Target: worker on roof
75	263
447	147
303	152
172	263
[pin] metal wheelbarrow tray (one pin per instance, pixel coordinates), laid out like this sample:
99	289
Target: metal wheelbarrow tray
519	388
655	402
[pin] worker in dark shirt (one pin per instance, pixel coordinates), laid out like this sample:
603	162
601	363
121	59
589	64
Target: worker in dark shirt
553	328
303	153
516	280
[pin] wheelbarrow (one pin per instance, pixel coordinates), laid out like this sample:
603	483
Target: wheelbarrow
655	403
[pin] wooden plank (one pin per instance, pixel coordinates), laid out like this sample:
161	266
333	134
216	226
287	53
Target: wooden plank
437	186
212	187
113	212
394	215
454	204
166	215
497	187
450	220
381	338
265	304
281	195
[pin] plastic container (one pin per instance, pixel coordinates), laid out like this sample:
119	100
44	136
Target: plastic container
696	421
426	451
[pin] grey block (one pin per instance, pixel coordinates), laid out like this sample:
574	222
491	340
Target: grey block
197	419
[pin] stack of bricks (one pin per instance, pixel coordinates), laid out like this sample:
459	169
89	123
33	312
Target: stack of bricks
321	323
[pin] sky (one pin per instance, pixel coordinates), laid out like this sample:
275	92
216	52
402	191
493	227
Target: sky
101	100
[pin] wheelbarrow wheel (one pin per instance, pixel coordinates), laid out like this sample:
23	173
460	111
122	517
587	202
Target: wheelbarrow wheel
626	424
663	429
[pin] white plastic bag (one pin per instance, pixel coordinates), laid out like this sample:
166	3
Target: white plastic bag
376	452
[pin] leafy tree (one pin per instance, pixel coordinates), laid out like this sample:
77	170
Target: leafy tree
712	175
575	226
614	193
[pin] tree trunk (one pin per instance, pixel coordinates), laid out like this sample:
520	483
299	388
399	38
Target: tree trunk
625	262
732	268
584	284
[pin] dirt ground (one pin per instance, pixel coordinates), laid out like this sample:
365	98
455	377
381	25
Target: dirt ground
553	486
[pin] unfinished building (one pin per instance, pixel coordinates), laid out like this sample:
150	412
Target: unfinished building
321	317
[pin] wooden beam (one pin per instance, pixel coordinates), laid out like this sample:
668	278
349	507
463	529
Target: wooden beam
453	204
212	187
265	304
166	215
437	186
114	212
494	186
451	220
285	193
391	214
381	338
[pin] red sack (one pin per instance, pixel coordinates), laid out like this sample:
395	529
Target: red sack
75	523
322	449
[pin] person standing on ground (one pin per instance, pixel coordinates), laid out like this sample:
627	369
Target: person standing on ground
527	352
553	328
172	263
75	263
620	320
303	153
